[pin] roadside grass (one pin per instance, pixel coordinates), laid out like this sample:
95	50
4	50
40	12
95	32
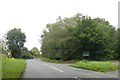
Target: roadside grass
59	61
0	69
12	68
101	66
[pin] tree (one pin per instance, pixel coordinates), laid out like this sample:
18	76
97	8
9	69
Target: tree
69	38
96	36
35	51
69	48
15	40
51	38
26	53
118	44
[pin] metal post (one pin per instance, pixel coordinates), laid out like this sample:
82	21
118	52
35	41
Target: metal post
1	63
2	48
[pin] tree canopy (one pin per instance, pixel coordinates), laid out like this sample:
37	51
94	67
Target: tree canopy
69	38
15	40
35	51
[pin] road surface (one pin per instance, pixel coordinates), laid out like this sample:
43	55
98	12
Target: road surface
39	69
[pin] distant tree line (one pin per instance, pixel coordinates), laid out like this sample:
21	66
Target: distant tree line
69	38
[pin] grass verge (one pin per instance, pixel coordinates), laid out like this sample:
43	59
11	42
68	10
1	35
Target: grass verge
59	61
12	68
101	66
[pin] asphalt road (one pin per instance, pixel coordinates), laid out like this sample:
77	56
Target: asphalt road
39	69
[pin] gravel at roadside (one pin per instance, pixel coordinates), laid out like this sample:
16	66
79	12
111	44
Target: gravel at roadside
113	72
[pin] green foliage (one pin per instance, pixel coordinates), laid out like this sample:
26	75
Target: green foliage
118	45
69	47
35	52
96	65
96	36
59	61
26	53
1	47
50	60
68	38
50	39
15	41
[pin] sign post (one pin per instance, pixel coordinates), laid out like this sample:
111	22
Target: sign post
86	55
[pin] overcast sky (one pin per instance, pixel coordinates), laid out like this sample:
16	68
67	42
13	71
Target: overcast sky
33	15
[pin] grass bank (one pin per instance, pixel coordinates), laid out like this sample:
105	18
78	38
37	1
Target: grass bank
12	68
101	66
58	61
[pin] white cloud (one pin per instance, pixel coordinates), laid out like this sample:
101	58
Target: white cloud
33	15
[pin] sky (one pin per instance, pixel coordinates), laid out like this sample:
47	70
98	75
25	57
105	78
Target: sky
32	16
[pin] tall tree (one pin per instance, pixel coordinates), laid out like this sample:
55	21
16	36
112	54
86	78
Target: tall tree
51	37
118	44
95	36
69	38
35	51
15	41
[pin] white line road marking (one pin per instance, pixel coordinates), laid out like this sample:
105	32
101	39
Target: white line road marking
77	78
56	69
45	64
